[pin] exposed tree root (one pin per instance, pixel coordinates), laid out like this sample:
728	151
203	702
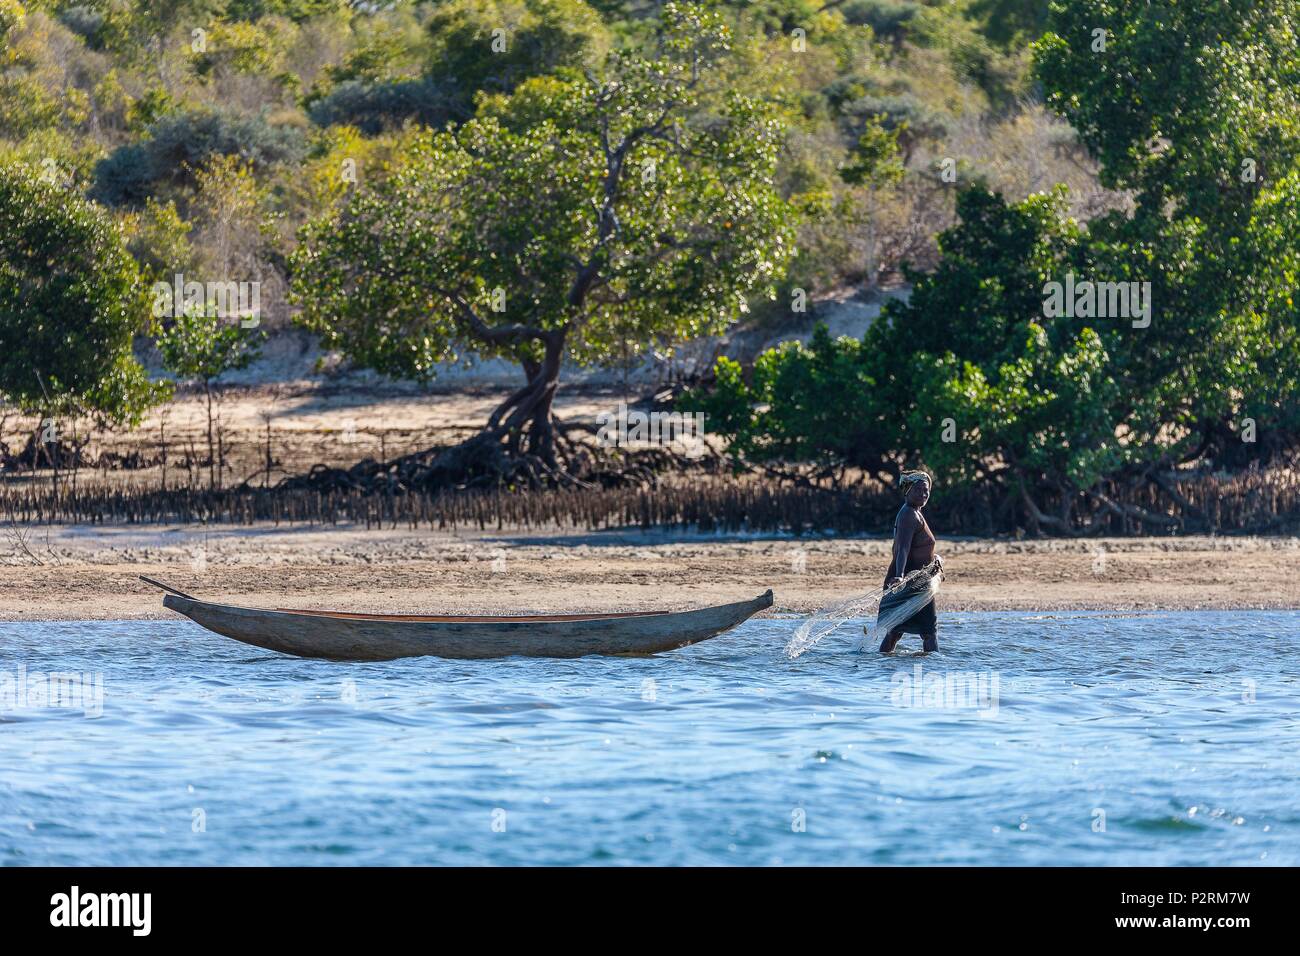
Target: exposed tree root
499	458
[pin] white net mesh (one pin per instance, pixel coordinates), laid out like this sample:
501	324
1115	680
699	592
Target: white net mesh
905	598
901	601
818	625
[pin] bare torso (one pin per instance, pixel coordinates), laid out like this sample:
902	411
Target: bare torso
911	532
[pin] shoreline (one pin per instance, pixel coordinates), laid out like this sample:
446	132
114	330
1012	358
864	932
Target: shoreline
91	573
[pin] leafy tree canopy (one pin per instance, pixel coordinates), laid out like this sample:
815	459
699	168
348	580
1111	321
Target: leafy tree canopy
572	219
592	204
70	302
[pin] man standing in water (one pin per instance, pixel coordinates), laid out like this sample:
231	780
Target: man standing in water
913	549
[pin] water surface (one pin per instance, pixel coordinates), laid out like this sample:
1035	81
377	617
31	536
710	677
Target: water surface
1064	738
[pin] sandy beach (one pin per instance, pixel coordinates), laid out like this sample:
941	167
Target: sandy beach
92	573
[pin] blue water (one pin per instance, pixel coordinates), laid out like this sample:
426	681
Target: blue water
1168	738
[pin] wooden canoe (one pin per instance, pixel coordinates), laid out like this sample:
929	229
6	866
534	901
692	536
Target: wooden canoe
347	636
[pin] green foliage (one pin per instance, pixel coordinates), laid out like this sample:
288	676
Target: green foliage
26	107
152	106
989	284
59	159
964	373
180	143
779	17
1010	21
474	47
487	178
12	15
903	113
297	10
70	302
120	81
199	346
497	44
602	212
376	107
1198	115
891	20
338	157
83	20
1046	413
1180	96
159	239
876	160
381	57
801	403
239	47
999	72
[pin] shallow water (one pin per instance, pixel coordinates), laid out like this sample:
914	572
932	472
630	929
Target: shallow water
1166	738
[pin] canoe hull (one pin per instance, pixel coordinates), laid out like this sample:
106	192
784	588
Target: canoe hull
358	639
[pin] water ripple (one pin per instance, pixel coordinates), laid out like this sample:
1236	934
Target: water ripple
1086	738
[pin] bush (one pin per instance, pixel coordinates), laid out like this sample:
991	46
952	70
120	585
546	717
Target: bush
542	36
921	121
11	15
180	143
84	21
70	301
889	19
373	108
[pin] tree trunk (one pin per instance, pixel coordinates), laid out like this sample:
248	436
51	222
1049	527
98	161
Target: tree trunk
53	456
76	459
519	443
522	445
539	425
266	478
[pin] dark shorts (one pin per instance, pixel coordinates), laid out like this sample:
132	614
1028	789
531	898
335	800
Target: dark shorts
922	622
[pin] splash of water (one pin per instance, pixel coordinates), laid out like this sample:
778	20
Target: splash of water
900	602
824	622
919	586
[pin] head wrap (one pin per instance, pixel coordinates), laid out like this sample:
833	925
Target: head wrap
909	478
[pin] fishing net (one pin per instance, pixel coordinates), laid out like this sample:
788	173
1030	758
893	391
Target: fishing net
892	606
902	600
818	625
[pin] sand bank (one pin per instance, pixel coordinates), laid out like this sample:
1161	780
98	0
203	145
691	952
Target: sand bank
91	573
